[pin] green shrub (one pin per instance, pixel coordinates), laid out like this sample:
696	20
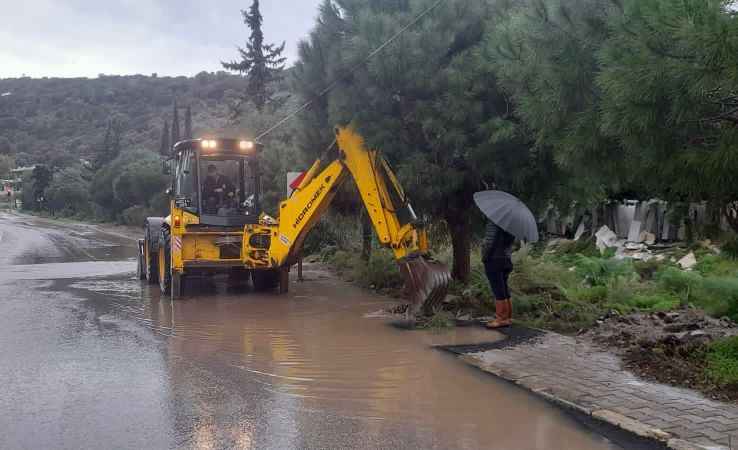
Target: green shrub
717	265
722	361
647	269
135	215
718	296
730	248
582	247
478	285
675	280
600	271
380	272
620	295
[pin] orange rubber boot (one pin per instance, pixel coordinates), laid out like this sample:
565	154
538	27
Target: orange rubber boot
503	315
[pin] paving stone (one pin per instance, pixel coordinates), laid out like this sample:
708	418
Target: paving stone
579	375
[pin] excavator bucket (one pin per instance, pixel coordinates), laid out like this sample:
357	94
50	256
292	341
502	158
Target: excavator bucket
426	283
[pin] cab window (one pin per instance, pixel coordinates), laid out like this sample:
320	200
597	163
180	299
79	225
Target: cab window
186	185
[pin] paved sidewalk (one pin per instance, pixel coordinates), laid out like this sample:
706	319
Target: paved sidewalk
578	375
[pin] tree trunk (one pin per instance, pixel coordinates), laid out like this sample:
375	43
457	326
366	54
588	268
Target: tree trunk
366	236
459	226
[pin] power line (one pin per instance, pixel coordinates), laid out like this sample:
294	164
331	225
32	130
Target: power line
356	67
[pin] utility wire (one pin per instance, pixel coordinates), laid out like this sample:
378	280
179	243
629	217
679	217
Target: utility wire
335	82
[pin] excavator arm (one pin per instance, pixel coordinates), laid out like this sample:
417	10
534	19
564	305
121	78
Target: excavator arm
392	216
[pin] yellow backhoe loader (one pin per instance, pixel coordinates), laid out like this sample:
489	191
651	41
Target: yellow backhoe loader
216	223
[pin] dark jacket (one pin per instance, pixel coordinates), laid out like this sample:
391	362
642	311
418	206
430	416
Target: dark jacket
211	184
497	247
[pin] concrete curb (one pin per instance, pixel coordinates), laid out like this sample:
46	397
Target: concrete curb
613	418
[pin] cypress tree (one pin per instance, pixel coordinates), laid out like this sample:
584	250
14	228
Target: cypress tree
262	64
188	123
111	145
164	148
175	125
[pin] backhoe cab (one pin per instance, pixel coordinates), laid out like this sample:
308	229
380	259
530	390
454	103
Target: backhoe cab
216	223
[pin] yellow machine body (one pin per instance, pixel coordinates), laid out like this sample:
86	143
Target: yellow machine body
274	245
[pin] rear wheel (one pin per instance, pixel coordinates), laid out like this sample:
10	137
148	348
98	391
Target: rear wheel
150	257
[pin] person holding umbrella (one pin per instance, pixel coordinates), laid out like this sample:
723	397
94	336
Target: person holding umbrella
509	219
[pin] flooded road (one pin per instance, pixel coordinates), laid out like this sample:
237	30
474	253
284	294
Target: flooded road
92	358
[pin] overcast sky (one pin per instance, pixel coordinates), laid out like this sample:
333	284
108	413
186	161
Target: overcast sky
70	38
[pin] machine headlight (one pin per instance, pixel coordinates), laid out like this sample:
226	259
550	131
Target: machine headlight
209	144
246	145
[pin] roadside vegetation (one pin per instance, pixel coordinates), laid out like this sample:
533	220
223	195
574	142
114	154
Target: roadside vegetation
672	325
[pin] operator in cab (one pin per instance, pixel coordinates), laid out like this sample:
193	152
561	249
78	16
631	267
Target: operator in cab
219	194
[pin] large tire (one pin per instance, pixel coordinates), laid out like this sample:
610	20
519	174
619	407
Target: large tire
141	266
165	259
151	255
265	280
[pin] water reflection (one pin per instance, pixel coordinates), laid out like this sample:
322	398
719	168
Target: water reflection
317	364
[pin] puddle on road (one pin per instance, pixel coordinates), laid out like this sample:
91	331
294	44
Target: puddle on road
71	270
316	353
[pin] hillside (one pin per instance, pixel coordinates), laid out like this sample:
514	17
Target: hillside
58	120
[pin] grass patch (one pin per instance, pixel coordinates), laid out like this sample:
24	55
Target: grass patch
722	361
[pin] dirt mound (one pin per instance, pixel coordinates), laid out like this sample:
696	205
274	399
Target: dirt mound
669	347
682	327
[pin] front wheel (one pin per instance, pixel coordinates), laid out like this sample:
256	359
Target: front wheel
265	280
164	262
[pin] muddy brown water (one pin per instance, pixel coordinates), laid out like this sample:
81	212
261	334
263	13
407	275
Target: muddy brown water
93	357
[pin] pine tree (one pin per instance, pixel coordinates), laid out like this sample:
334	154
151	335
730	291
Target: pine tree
262	64
544	54
669	80
188	123
165	147
175	125
426	101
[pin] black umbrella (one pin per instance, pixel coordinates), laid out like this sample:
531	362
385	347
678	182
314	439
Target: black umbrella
509	213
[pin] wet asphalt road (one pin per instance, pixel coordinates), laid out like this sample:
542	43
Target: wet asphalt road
92	358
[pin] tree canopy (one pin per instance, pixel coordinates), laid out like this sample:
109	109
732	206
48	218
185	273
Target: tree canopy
563	100
261	63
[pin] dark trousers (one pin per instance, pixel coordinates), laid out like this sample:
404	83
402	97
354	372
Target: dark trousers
498	279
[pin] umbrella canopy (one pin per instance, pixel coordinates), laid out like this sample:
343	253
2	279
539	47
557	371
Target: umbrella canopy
508	213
